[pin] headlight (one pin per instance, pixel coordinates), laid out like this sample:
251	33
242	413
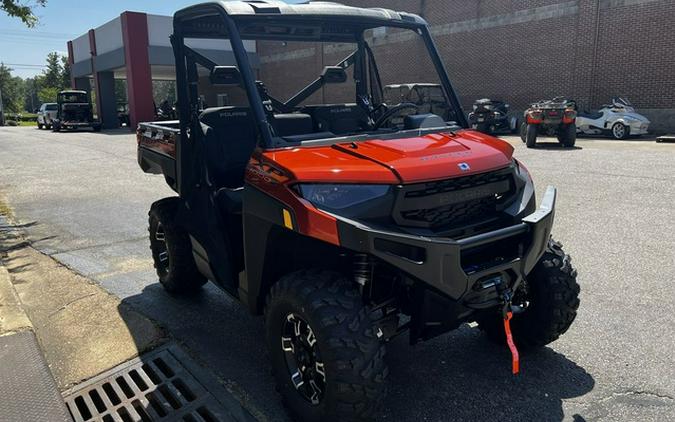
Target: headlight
340	196
525	203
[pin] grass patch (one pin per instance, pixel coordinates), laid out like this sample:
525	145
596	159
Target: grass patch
28	124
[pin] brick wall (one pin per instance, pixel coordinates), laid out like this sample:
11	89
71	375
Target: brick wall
523	50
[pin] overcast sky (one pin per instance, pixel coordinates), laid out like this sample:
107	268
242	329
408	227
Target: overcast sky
25	49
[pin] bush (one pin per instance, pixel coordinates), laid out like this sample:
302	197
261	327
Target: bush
29	117
11	123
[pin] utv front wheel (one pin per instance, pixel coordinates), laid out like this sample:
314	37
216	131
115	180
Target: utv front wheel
172	250
551	299
326	356
531	136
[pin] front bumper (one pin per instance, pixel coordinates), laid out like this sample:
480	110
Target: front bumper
639	128
446	264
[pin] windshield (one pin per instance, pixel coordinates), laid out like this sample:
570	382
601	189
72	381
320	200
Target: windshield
331	83
51	107
73	97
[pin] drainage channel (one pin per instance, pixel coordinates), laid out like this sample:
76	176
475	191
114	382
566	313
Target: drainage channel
163	385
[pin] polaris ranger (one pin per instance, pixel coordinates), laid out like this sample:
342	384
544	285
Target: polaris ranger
74	110
341	223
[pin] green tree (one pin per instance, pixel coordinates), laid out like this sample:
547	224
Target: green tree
18	9
47	94
65	72
53	74
11	88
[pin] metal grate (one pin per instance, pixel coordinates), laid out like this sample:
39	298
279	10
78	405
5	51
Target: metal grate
154	387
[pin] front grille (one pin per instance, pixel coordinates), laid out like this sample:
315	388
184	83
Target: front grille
455	203
455	215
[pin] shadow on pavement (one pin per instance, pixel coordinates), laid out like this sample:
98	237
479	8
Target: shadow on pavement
460	376
555	146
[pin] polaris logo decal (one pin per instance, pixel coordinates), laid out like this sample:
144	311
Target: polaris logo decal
464	167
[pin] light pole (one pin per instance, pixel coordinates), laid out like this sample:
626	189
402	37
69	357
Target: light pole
2	111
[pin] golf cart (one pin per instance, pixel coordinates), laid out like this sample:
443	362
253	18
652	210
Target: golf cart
344	225
492	116
617	119
554	117
74	110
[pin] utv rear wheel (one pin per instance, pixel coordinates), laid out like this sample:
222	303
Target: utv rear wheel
551	296
326	356
531	136
568	135
523	131
172	250
40	125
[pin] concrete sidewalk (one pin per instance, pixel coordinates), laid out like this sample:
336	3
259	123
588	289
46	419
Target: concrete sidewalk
28	391
59	329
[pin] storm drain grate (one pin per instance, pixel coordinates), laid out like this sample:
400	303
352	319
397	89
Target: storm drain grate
164	385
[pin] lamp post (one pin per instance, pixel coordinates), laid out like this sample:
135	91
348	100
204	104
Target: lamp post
2	111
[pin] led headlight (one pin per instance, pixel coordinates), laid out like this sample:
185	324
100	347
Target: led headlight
340	196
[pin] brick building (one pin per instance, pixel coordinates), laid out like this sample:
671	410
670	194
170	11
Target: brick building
519	51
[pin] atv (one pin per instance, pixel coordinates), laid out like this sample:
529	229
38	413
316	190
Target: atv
74	110
492	116
341	223
554	117
618	119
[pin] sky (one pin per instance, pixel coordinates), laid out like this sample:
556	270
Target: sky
25	49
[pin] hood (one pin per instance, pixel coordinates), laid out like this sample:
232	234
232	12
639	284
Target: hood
407	160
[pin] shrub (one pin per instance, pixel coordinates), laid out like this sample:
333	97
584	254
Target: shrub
11	123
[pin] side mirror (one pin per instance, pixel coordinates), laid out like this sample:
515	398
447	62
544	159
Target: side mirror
333	75
225	76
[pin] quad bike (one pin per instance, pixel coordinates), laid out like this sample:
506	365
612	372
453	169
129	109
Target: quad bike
344	225
492	116
554	117
617	119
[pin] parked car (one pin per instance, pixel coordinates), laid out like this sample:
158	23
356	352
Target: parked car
492	116
618	119
339	224
554	117
46	115
74	110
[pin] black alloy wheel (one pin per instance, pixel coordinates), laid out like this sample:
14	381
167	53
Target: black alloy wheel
303	359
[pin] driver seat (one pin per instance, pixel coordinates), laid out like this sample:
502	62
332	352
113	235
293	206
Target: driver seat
592	115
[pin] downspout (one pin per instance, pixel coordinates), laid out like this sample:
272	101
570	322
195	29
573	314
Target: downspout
595	53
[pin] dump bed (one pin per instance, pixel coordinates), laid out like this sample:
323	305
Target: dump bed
157	148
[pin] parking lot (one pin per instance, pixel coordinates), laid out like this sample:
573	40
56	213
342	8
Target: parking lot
83	200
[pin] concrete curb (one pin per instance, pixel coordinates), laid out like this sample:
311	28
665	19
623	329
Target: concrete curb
13	318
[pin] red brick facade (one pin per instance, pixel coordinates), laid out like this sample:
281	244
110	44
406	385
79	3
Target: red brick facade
519	50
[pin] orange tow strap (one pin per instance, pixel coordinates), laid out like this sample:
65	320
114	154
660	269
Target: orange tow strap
512	346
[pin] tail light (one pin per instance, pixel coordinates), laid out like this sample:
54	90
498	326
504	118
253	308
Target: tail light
569	116
535	116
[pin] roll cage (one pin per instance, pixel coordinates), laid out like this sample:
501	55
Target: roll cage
237	21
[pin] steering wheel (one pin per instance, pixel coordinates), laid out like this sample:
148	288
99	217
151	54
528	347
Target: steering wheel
395	110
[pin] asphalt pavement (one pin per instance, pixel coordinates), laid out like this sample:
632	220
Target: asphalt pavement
83	200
